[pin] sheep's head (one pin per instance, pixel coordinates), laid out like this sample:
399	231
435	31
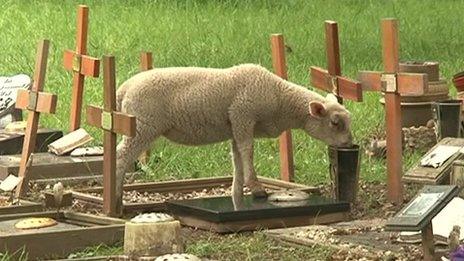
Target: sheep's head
330	122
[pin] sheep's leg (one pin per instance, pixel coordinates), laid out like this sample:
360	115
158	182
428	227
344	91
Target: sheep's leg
251	181
128	150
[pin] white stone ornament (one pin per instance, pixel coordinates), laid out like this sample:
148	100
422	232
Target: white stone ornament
288	196
178	257
152	218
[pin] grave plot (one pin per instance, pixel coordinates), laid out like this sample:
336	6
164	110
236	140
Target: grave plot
352	240
153	196
436	171
56	234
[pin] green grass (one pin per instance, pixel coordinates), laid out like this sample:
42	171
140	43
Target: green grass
225	33
222	34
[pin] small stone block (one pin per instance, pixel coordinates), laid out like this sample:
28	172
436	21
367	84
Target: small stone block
152	238
178	257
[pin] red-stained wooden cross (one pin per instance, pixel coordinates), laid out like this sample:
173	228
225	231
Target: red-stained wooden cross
331	80
146	63
36	102
393	84
287	170
112	123
81	65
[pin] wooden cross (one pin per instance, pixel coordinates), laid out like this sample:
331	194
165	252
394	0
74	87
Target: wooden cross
331	80
146	63
112	123
36	102
81	65
287	170
393	84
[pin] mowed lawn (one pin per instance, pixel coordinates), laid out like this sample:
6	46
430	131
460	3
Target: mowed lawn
226	33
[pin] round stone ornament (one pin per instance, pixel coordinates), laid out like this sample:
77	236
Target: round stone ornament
288	196
152	218
35	222
178	257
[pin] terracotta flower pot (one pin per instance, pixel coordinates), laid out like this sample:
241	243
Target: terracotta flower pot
344	172
447	117
458	81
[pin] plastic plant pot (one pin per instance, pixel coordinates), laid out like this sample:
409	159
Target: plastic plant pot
344	172
447	117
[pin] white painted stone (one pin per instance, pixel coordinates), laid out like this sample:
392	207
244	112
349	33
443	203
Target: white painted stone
152	234
178	257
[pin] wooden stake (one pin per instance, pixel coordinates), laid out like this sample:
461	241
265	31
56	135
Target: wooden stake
330	80
146	63
285	139
393	84
111	122
428	244
81	65
35	101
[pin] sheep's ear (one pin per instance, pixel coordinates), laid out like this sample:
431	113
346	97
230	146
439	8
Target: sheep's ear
317	109
331	97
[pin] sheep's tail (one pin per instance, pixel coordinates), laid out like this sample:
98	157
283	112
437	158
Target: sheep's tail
120	95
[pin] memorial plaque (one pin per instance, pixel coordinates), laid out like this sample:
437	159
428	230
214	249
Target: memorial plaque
9	87
419	212
12	142
432	175
218	213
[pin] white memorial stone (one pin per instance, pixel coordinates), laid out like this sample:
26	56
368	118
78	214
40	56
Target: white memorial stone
9	87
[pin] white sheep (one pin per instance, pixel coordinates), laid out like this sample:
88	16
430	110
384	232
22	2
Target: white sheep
198	106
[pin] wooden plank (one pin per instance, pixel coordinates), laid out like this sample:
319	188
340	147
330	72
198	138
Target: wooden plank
332	46
46	102
408	83
47	165
349	89
390	51
11	143
33	117
109	144
122	123
90	66
320	79
146	63
285	140
25	206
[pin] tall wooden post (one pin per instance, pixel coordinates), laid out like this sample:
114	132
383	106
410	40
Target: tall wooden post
393	83
146	63
36	102
112	122
285	140
81	65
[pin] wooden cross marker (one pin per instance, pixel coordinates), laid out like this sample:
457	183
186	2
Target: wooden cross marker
285	140
393	84
146	63
112	123
331	80
81	65
36	102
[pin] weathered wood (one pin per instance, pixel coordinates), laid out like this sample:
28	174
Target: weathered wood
287	170
47	166
428	245
24	206
407	83
146	63
81	65
330	80
112	123
33	117
46	102
59	242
